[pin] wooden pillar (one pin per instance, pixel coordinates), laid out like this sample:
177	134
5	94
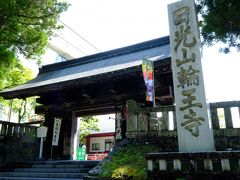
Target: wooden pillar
62	150
74	142
67	136
48	140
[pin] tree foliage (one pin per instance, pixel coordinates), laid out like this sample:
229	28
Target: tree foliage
25	25
23	108
13	73
87	125
220	22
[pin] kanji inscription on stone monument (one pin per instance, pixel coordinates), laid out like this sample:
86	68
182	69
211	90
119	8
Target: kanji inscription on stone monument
193	120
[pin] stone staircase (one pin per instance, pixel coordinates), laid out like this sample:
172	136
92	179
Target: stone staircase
47	170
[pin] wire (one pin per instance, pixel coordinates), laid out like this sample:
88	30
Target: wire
79	35
71	44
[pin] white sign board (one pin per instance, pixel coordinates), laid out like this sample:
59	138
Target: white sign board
42	132
56	131
192	113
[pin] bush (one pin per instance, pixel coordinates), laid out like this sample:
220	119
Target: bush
128	161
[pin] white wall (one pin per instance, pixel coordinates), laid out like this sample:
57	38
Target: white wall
100	140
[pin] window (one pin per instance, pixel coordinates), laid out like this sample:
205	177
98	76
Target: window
108	144
60	58
96	146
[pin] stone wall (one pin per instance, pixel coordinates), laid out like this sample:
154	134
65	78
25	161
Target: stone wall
18	143
201	165
158	126
16	149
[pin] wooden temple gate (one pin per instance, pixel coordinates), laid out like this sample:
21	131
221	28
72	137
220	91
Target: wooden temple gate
112	82
150	128
97	84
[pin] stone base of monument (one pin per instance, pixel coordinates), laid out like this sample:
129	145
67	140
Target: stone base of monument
199	165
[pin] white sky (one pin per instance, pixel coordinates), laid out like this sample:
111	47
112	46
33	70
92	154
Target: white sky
106	123
110	24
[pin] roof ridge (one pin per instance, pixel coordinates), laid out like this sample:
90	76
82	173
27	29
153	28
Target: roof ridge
107	54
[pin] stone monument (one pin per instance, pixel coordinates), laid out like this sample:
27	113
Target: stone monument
194	127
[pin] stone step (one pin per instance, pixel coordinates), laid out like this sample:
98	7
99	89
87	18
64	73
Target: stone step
62	166
42	175
31	178
52	170
44	170
54	164
64	162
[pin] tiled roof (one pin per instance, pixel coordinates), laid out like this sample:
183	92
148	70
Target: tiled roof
92	65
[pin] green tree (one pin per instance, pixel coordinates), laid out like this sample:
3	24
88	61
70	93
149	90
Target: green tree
220	22
13	73
25	25
87	125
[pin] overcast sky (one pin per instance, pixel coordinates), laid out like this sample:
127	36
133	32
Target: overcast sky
110	24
